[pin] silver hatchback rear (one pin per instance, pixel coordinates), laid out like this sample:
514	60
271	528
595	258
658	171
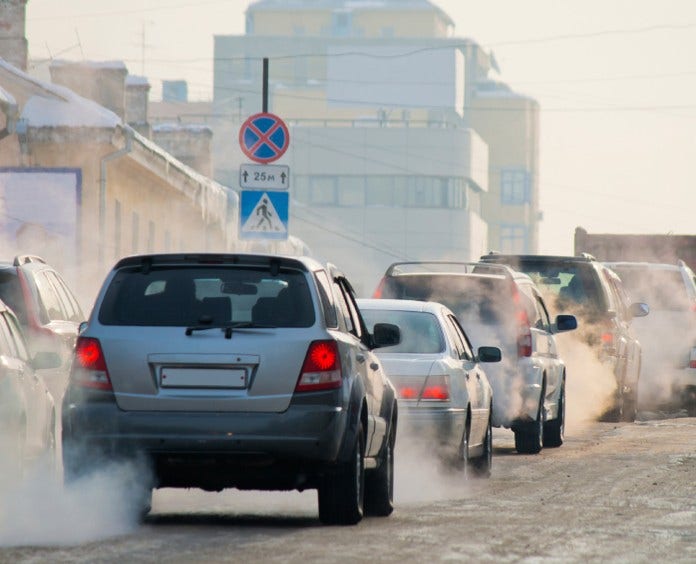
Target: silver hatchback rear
240	371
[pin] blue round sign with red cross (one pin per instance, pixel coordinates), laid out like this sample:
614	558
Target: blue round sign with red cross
264	137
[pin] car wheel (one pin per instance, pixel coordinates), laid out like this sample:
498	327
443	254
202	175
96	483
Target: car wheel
461	462
529	438
341	493
554	429
379	484
482	466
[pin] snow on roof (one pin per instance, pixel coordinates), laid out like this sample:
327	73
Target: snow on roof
90	64
6	98
135	80
58	106
170	127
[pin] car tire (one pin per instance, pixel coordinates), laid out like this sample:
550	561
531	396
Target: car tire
529	437
379	484
482	466
554	429
341	493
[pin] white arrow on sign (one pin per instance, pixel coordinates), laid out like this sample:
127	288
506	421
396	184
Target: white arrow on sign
265	177
264	218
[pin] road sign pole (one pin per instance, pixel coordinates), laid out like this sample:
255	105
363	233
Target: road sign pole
265	86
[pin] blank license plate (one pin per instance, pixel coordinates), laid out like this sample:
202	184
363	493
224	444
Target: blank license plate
203	378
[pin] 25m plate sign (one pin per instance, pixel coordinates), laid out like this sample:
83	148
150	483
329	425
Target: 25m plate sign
264	177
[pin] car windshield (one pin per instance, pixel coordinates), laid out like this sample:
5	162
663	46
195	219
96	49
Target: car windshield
660	289
473	298
215	296
420	330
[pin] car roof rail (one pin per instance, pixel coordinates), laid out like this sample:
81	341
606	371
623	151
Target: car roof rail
587	256
19	260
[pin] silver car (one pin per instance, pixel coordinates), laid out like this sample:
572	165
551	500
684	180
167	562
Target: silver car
497	305
443	390
246	371
27	411
668	334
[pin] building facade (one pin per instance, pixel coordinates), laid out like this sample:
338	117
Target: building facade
384	166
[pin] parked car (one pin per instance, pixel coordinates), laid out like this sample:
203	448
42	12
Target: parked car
233	370
443	391
27	411
668	334
497	305
595	294
46	308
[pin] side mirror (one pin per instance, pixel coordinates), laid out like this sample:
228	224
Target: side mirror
565	323
81	327
386	335
489	354
639	309
44	360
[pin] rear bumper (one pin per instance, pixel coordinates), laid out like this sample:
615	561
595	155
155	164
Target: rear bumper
212	450
440	427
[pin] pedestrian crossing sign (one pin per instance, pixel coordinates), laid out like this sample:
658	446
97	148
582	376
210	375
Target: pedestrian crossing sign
263	215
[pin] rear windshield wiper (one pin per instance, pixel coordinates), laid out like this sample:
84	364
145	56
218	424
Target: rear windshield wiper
228	327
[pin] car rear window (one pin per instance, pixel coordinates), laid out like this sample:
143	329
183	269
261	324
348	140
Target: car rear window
568	282
660	289
472	298
420	330
215	295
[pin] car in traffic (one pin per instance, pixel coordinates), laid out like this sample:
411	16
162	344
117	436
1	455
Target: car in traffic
27	409
668	334
443	390
595	295
235	370
497	305
47	309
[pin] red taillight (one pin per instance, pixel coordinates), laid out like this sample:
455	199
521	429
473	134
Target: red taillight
607	338
321	369
380	288
524	331
692	358
89	367
407	392
436	388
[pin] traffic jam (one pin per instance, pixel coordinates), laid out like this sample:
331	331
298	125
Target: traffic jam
199	384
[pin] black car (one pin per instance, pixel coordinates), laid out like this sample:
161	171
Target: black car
235	371
595	294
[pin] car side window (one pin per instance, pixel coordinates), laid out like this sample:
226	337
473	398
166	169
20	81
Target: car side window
5	347
17	337
70	305
49	297
461	341
327	304
348	306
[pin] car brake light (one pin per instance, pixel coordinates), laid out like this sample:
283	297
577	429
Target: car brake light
407	391
321	369
436	388
89	367
692	358
379	290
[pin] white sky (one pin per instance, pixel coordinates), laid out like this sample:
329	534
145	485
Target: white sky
616	80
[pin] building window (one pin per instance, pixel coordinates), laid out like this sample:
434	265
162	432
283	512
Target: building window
387	31
379	190
351	191
341	24
514	187
117	229
150	236
322	190
513	239
135	232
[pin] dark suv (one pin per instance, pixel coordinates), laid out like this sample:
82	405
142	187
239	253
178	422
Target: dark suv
46	309
597	297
